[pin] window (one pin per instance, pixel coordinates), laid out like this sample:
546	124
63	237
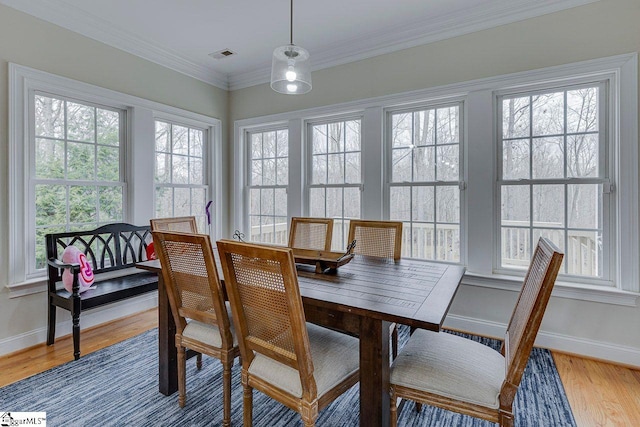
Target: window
181	188
76	178
424	190
555	178
336	178
268	180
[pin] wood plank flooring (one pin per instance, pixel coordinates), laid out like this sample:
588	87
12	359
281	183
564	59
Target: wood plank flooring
600	394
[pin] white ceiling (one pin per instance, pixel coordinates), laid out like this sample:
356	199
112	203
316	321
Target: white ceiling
181	34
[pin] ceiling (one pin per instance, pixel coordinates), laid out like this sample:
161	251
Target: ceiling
181	34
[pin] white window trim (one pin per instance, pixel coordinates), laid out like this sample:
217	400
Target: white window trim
22	81
478	127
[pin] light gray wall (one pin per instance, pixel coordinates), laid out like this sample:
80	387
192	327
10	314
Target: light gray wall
601	29
34	43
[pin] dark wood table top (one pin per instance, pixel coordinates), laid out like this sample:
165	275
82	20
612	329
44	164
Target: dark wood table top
412	292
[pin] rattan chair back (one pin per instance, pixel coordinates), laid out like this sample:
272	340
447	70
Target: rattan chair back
311	233
381	239
262	285
182	224
191	278
529	310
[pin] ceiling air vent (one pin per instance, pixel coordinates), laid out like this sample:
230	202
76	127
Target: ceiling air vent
224	53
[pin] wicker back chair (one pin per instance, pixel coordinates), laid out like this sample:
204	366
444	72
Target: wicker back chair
197	303
182	224
464	376
381	239
311	233
302	365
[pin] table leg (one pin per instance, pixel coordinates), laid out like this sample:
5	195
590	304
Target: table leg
374	372
167	352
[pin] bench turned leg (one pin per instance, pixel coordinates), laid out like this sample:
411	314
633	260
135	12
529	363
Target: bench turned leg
75	318
51	323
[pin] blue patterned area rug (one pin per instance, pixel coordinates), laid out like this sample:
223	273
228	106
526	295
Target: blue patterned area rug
118	386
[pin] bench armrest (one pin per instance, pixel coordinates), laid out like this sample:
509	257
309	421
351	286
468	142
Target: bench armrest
75	270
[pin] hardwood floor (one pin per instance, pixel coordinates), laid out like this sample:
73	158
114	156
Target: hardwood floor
600	394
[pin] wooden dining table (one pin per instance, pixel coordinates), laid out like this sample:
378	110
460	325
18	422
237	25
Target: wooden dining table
361	298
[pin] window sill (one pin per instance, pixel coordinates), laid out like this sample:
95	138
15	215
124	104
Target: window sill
28	287
568	290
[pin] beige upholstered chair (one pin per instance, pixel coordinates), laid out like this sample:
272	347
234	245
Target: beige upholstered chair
311	233
197	303
182	224
301	365
380	239
464	376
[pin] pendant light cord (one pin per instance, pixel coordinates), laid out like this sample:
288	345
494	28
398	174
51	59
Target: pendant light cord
291	22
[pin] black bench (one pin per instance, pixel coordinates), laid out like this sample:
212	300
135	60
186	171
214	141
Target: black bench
112	250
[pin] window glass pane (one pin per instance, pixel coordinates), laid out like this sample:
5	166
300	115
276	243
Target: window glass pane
317	202
282	165
548	205
163	167
401	165
51	207
424	130
335	168
447	204
516	246
269	144
282	143
424	164
422	243
582	110
319	137
515	159
254	201
195	142
108	164
256	146
401	130
280	202
108	127
448	242
400	203
180	140
515	205
336	137
583	256
267	202
352	202
162	136
198	203
582	156
448	126
49	117
82	204
182	201
447	167
334	202
319	169
585	205
548	158
180	169
49	158
352	135
164	201
423	204
110	199
256	172
195	171
269	172
548	114
80	161
515	117
80	122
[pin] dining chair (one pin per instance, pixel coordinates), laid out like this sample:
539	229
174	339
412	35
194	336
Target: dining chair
461	375
379	239
182	224
311	233
197	303
301	365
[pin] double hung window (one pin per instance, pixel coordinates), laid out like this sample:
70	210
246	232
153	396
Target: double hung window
268	180
76	178
424	188
181	185
335	174
554	177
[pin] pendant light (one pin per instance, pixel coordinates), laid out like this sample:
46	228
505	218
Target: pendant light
291	67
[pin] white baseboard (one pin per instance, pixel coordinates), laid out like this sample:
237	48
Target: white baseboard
87	319
564	343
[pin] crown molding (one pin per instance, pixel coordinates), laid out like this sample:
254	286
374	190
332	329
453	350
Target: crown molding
416	34
387	40
73	19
